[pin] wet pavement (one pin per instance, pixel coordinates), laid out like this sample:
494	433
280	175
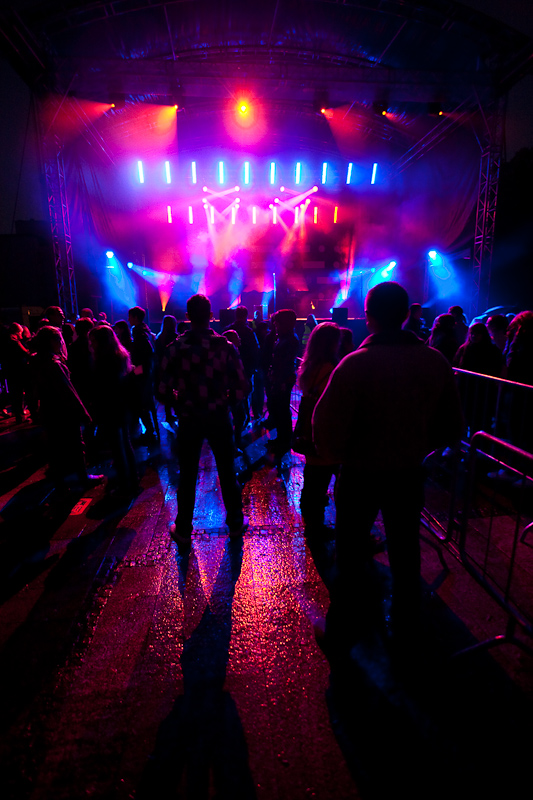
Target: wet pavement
130	669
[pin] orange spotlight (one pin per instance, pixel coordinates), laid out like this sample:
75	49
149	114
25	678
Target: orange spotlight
243	107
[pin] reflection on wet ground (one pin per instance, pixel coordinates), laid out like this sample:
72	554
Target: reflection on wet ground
130	669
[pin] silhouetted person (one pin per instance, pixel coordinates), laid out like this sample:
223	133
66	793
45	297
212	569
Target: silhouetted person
14	362
282	377
142	358
122	330
80	361
111	384
61	412
248	350
319	360
386	407
442	336
238	409
55	316
206	373
310	324
461	328
497	326
166	336
415	322
478	353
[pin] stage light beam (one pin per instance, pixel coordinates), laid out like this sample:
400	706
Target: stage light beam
324	171
247	172
169	214
272	172
193	172
298	172
374	171
221	172
141	171
167	171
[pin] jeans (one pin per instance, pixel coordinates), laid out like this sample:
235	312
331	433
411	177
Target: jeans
217	429
358	499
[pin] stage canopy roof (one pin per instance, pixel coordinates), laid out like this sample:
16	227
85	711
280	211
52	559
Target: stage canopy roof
298	54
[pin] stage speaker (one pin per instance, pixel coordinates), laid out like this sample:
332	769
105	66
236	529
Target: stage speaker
340	316
226	317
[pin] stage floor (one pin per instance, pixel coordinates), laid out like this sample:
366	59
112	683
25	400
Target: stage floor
129	670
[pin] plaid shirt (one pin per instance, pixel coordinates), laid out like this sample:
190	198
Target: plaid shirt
204	372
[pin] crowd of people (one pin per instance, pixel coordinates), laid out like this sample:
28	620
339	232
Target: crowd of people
368	416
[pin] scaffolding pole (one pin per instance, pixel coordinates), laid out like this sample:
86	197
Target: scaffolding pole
56	193
489	174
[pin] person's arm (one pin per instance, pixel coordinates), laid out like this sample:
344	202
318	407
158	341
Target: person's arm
238	382
334	414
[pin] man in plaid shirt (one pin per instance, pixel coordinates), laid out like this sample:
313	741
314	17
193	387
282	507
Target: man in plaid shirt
205	373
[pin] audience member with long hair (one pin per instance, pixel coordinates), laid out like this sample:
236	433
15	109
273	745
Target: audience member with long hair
60	410
166	336
111	373
319	360
478	353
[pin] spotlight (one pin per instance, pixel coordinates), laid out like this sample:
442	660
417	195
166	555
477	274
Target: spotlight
435	110
243	107
432	255
129	264
315	188
117	101
320	101
109	253
282	189
237	188
204	189
379	108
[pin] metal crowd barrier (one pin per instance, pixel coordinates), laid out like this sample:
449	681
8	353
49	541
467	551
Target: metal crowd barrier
498	406
479	501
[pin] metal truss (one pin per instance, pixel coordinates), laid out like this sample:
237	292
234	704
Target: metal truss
489	173
56	194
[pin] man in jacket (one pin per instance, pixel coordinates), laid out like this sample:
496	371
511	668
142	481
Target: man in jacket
386	407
